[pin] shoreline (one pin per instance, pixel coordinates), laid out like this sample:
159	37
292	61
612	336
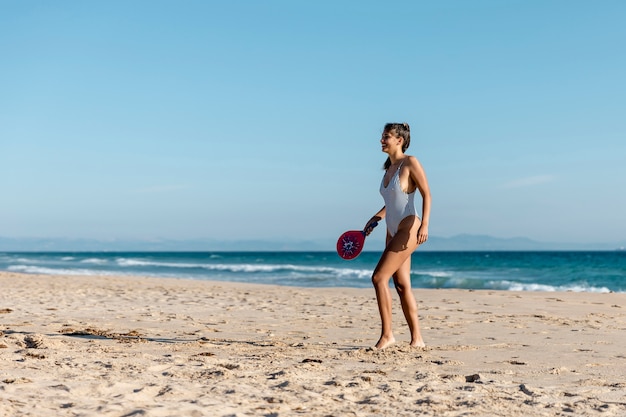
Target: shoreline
541	271
110	345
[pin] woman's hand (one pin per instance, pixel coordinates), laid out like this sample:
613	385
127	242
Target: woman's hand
371	224
422	234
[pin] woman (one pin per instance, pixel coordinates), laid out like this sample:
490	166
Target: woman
405	230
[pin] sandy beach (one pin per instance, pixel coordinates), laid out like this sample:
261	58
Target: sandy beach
132	346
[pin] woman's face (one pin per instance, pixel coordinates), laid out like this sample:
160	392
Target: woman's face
389	141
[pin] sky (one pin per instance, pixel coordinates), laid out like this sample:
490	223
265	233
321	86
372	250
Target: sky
261	119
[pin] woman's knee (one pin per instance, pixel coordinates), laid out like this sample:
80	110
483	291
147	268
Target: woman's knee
403	287
400	288
378	279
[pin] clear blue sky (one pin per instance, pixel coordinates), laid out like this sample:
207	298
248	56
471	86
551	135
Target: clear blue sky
261	119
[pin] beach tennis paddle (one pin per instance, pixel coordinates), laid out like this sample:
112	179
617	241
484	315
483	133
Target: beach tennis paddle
350	244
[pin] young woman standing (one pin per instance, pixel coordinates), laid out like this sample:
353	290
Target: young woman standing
403	176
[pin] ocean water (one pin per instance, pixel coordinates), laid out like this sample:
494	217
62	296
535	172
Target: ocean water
516	271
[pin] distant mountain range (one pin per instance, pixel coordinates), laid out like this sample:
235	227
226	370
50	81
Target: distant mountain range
463	242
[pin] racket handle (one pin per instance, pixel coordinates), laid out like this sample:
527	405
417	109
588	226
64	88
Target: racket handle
372	226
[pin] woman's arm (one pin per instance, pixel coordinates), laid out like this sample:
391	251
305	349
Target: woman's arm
419	177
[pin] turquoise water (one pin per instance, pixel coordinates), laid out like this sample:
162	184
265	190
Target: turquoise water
519	271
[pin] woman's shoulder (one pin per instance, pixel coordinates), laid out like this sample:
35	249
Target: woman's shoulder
411	160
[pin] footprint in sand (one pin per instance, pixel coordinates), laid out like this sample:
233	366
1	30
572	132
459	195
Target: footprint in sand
34	341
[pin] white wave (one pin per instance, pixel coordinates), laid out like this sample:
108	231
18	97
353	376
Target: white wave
295	271
248	268
359	273
138	262
517	286
308	270
94	261
30	269
436	274
450	282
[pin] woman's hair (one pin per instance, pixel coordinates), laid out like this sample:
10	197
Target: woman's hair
401	130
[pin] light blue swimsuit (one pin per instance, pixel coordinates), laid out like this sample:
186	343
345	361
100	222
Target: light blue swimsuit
398	204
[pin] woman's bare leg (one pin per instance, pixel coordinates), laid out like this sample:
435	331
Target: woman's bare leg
402	281
398	250
383	297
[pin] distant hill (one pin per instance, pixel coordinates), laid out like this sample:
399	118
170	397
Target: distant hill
462	242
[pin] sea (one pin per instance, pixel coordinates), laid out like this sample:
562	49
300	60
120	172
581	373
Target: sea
593	271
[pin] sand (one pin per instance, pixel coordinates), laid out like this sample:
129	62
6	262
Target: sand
132	346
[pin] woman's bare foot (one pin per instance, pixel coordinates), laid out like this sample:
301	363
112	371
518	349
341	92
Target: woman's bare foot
419	343
384	342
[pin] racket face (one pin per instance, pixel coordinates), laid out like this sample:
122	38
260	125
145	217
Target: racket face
350	244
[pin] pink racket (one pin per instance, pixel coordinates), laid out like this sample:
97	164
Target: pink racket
350	244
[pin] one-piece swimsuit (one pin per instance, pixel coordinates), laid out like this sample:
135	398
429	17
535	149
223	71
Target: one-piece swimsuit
398	204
